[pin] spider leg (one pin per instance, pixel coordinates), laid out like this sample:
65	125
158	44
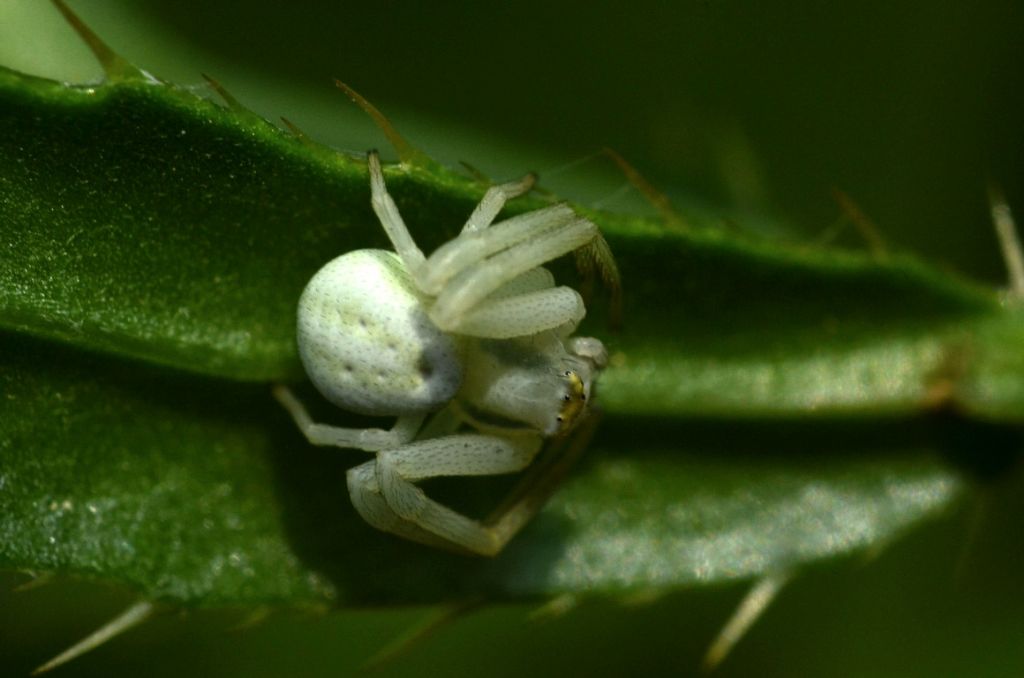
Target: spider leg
390	501
387	211
540	482
368	439
524	314
398	233
460	253
368	501
485	257
525	305
494	199
467	289
534	280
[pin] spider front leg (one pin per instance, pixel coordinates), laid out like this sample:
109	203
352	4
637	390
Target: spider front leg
387	212
469	269
391	219
483	258
523	315
475	241
383	492
494	199
540	310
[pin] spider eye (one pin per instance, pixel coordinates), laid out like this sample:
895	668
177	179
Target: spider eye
566	397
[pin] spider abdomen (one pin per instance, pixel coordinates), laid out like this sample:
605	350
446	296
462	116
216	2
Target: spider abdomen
366	341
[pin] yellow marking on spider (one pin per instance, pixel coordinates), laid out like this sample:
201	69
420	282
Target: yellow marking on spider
575	401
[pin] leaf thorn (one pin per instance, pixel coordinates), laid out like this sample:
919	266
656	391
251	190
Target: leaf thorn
130	618
407	153
115	66
557	607
658	199
867	228
36	581
228	98
419	632
749	611
1009	240
297	133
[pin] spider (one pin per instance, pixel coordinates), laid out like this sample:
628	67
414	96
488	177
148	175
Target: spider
476	335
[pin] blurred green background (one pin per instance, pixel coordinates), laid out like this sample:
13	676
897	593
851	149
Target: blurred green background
760	108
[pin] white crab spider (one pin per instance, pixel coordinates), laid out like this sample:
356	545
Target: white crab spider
477	330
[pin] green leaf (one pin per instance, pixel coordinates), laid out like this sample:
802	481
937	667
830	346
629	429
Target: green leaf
200	491
156	243
145	221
